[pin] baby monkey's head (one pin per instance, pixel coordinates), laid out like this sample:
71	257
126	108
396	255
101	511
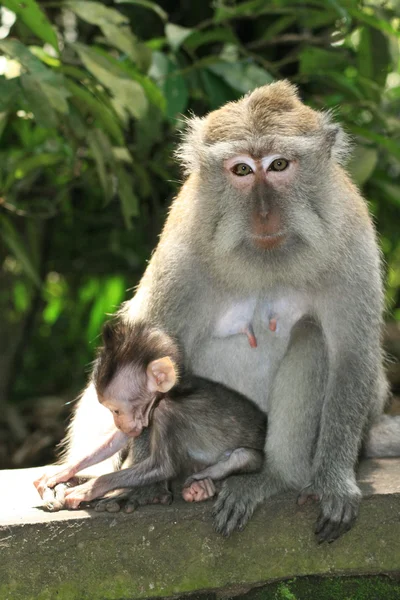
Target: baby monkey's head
136	365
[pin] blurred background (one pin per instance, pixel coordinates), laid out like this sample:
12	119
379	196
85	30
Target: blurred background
91	99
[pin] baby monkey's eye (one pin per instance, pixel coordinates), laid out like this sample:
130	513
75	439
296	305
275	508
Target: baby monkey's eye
116	412
280	164
242	169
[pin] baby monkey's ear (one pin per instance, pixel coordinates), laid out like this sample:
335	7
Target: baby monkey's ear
161	375
108	334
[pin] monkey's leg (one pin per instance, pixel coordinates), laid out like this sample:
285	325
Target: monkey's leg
353	391
130	500
293	417
240	460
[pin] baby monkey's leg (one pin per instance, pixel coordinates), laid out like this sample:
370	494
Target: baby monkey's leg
242	460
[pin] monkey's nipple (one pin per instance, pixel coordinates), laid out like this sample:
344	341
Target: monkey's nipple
272	325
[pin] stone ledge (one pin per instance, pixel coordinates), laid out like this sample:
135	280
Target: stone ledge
162	551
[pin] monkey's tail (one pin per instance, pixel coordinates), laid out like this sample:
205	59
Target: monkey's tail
383	439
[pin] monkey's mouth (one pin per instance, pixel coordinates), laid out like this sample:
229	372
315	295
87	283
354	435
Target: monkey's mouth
268	241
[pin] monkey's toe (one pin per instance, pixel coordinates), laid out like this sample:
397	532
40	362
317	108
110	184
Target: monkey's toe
337	516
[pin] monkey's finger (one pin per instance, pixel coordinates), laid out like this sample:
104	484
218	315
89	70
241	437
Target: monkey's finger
131	506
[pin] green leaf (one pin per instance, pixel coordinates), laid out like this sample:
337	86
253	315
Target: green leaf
8	91
15	244
16	50
165	71
176	35
111	294
128	199
105	116
102	152
96	13
30	163
243	9
200	38
147	4
115	27
391	190
362	164
317	60
373	21
391	145
217	90
128	96
373	57
31	14
37	102
242	76
176	92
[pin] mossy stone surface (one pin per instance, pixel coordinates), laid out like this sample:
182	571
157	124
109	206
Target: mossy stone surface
165	551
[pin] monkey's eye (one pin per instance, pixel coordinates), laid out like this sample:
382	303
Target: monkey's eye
242	169
280	164
116	412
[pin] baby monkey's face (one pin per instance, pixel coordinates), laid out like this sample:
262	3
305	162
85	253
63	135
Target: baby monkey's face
130	395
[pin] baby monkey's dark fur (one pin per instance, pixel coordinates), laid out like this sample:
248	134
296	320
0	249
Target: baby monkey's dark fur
197	428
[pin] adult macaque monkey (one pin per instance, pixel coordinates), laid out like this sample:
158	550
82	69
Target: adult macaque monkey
269	227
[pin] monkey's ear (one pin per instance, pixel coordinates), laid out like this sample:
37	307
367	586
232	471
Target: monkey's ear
161	375
108	334
338	141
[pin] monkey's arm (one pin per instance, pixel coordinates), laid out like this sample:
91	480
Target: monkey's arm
111	444
144	473
351	324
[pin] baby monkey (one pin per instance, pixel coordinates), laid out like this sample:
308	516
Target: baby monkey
196	427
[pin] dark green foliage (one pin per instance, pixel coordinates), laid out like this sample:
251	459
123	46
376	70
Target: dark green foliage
91	98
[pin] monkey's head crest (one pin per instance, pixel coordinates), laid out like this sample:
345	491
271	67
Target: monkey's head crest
271	110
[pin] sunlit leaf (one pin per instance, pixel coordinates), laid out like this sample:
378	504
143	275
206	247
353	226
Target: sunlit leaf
115	27
176	35
242	76
17	50
31	14
107	301
128	95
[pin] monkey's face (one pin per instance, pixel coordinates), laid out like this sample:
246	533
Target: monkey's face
260	182
129	401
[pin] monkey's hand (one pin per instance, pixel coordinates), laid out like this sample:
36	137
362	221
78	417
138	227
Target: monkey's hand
338	511
130	500
83	493
237	500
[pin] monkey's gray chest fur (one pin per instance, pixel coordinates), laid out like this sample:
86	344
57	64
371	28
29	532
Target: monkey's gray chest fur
249	339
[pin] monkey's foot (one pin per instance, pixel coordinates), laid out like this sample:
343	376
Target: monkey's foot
236	502
197	491
130	500
337	515
338	512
